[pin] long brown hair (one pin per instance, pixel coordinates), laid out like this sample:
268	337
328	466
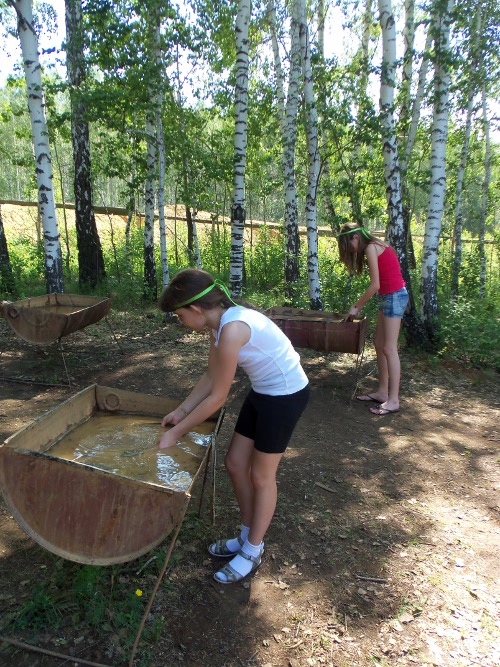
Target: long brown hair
187	284
354	260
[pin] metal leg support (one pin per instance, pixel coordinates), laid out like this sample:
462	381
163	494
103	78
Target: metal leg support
114	336
157	584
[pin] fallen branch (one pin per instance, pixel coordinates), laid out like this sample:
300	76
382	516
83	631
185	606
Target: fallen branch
327	488
376	580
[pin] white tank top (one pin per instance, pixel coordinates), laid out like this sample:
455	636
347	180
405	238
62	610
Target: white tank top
269	360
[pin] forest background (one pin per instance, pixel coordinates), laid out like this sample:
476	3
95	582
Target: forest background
239	138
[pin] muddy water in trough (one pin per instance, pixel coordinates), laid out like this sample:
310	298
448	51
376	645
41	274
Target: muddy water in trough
127	445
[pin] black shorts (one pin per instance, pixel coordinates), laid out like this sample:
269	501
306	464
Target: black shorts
270	420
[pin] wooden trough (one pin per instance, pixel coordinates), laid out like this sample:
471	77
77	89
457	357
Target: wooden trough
82	511
320	330
48	318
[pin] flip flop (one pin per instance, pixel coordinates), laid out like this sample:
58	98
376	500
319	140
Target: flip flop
382	412
368	398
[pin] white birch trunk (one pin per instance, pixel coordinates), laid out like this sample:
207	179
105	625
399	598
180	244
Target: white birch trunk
365	52
149	209
439	134
484	194
288	122
321	27
160	142
36	104
311	115
419	96
161	195
457	255
189	186
392	172
240	148
407	74
196	243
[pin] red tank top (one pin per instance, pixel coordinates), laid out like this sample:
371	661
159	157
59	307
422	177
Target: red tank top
389	271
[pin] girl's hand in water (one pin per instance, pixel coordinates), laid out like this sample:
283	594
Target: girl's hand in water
166	440
174	417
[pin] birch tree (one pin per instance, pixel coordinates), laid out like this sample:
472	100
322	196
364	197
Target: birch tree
7	283
287	110
161	194
311	122
36	103
484	193
396	233
238	214
90	256
473	63
153	21
439	134
392	172
150	285
325	175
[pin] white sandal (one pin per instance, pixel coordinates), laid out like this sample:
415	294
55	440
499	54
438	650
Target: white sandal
233	577
219	548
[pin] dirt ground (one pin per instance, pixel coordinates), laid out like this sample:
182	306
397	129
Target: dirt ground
384	547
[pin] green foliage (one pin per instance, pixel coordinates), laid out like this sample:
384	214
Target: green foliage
102	600
468	328
470	331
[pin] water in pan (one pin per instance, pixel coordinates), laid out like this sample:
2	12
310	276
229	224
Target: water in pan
127	445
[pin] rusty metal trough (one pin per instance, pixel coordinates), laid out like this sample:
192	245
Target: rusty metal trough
91	515
48	318
78	511
321	330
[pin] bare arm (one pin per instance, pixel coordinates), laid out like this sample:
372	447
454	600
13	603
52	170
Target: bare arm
372	259
213	387
200	391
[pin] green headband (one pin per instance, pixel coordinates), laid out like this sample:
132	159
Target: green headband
216	283
357	229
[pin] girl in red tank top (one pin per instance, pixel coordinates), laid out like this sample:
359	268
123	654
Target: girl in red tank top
357	245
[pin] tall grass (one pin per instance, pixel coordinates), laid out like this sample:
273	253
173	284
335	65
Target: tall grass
469	326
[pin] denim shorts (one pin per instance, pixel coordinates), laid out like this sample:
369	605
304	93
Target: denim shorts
394	304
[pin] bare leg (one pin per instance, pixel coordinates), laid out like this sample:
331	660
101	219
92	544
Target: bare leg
238	463
263	475
383	370
391	326
261	495
253	475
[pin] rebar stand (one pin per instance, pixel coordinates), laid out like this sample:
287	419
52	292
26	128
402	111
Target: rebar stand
61	350
359	361
122	351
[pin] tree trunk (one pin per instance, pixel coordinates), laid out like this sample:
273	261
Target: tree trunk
408	56
327	193
288	122
46	203
7	283
90	257
150	284
240	149
161	195
311	121
417	103
396	228
439	134
457	235
484	195
160	141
